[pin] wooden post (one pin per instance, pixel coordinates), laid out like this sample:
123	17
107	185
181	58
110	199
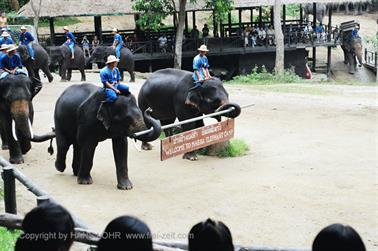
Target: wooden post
314	14
186	23
215	24
260	16
271	16
9	190
251	16
329	60
52	30
98	27
229	23
240	18
300	14
194	19
284	15
314	48
376	63
329	24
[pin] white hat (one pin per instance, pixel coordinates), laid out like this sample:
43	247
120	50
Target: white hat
203	48
23	28
12	47
115	30
66	28
112	59
5	34
4	47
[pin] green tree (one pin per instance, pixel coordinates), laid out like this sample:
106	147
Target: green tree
153	12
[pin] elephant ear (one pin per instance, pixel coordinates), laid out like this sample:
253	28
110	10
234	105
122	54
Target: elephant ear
194	98
103	115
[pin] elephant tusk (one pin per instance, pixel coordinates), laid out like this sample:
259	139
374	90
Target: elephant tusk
14	130
30	129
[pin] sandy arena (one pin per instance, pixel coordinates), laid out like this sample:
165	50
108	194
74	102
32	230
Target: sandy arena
312	162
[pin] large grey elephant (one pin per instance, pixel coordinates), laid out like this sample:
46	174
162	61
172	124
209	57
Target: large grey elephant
352	48
16	117
321	11
358	7
126	63
61	55
166	91
41	61
82	119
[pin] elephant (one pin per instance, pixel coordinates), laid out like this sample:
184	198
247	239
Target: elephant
61	55
165	92
16	117
321	10
100	53
358	7
41	61
352	48
83	119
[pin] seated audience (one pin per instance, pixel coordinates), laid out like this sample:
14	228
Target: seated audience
126	233
48	227
210	235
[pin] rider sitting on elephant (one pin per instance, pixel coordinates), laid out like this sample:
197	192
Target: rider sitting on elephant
70	42
26	38
3	49
355	31
5	38
10	63
117	43
110	77
201	71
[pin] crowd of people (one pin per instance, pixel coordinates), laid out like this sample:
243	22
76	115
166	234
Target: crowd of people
50	227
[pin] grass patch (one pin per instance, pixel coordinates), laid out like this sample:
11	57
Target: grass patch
8	238
262	76
235	148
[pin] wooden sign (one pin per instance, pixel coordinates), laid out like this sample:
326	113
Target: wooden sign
197	138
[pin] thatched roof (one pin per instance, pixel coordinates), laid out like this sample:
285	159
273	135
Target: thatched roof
64	8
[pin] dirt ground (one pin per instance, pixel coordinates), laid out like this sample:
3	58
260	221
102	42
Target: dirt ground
312	162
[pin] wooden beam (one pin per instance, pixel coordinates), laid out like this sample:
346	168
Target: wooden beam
186	23
229	23
194	19
98	27
240	18
272	16
251	15
52	30
260	16
300	14
215	25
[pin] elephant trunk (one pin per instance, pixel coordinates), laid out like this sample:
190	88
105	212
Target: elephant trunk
150	122
20	119
232	114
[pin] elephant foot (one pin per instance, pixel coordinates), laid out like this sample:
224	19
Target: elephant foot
345	62
4	147
16	160
351	72
125	185
75	170
132	80
25	148
146	146
84	180
63	80
83	80
60	166
192	156
51	79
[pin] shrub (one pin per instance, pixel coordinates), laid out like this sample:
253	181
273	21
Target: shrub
8	238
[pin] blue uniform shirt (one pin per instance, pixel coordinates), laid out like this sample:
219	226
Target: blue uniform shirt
199	63
69	35
8	41
117	37
108	76
10	63
26	38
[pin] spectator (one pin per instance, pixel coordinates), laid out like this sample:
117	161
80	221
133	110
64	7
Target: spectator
210	236
163	41
205	34
194	34
338	237
261	36
3	20
319	30
85	42
270	35
253	36
126	233
308	32
53	223
95	42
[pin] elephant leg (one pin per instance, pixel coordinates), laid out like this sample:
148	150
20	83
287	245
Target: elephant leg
48	74
36	74
351	62
168	132
25	145
4	139
62	147
82	71
63	72
122	72
120	158
132	76
192	156
76	159
86	162
15	154
69	74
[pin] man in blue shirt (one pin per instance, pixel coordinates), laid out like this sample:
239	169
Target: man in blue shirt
110	77
3	49
70	42
201	71
5	38
10	63
26	38
117	43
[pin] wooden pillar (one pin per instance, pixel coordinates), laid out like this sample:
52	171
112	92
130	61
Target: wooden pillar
314	15
174	20
194	19
215	25
300	14
229	23
9	190
251	16
260	16
240	18
329	60
284	15
314	48
329	24
186	23
329	52
271	16
98	27
52	30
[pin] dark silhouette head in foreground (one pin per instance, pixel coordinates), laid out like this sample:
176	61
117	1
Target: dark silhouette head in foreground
338	237
210	235
48	227
126	233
